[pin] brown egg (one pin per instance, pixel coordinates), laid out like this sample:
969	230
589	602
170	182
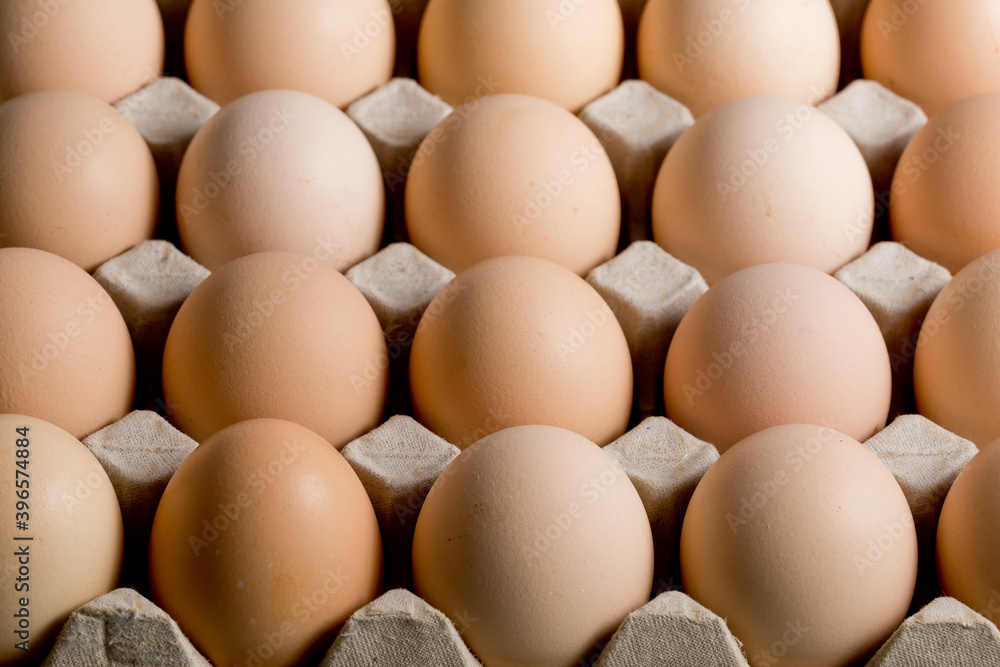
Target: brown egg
944	204
280	170
568	52
705	53
264	543
276	335
513	175
66	355
335	50
515	341
932	53
803	541
777	344
968	541
763	179
77	179
105	48
62	534
535	543
957	360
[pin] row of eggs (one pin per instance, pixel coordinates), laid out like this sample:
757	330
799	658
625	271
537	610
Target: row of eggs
569	51
533	542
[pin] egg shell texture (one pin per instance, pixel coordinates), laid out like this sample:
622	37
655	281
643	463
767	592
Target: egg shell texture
105	48
803	541
513	175
567	52
65	351
335	50
276	335
515	341
957	360
945	205
264	532
280	170
777	344
536	544
70	549
763	179
76	178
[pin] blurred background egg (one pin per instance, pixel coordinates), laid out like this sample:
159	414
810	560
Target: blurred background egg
763	179
957	360
539	536
338	51
968	537
276	335
264	543
933	53
70	548
567	52
513	175
705	53
66	355
777	344
803	541
76	178
280	170
515	341
945	205
105	48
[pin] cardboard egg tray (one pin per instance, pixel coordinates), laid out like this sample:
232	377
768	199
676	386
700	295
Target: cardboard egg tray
648	290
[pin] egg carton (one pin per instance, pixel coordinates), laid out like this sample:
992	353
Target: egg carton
398	462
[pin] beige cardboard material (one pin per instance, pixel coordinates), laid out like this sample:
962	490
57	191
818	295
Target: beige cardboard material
123	629
398	463
399	282
399	629
665	464
925	459
898	287
140	453
167	113
148	285
396	118
673	630
637	125
649	291
945	632
881	124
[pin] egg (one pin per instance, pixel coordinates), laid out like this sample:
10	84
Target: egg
957	357
513	175
567	52
514	341
932	53
944	204
536	545
264	543
338	51
77	179
968	542
62	532
276	335
759	180
66	356
777	344
105	48
280	170
705	53
803	541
